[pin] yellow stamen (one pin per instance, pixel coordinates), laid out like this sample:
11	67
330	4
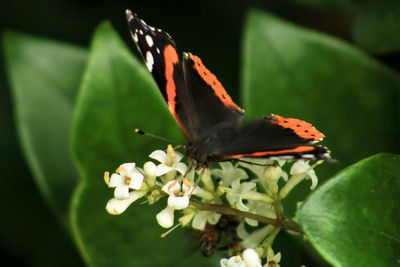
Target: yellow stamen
186	182
237	258
171	156
172	184
120	169
128	180
107	177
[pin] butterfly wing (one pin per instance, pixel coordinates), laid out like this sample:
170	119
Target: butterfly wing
206	113
159	53
276	137
215	111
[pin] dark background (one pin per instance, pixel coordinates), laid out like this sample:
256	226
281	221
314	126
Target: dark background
210	29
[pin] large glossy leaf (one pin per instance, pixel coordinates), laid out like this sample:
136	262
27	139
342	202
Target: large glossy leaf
45	76
299	73
353	219
118	95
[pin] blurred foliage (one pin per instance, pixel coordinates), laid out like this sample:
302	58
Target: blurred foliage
350	96
353	219
376	23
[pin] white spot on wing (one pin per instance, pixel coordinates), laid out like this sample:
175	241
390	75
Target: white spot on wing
149	61
149	40
134	37
140	31
158	50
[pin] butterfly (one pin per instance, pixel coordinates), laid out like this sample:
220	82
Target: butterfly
212	123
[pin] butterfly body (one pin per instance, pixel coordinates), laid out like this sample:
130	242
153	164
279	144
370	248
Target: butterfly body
210	120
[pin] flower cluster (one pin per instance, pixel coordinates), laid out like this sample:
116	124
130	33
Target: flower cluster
251	191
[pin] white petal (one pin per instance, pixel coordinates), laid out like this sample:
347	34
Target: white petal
253	240
165	218
235	261
314	179
241	231
213	217
163	169
199	221
117	206
299	166
178	203
251	258
251	222
223	262
179	156
136	182
277	257
246	187
121	192
159	155
171	187
241	206
116	180
127	168
181	168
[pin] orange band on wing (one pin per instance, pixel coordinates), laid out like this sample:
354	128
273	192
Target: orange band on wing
301	128
213	82
299	149
171	59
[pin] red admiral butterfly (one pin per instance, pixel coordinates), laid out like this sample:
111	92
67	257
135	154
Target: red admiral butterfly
206	114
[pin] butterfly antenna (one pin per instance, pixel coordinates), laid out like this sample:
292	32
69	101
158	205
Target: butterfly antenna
139	131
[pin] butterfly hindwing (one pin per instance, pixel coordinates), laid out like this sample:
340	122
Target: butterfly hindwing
277	137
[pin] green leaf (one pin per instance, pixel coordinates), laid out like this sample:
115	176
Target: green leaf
376	27
117	96
375	23
295	72
353	219
44	76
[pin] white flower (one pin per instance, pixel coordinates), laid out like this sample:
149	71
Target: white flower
126	177
253	239
178	192
303	167
170	161
259	167
165	218
300	170
234	261
202	217
251	258
229	173
117	206
238	192
261	208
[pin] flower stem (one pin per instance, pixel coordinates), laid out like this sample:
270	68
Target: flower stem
283	224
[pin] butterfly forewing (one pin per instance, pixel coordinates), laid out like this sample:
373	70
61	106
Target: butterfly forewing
162	61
